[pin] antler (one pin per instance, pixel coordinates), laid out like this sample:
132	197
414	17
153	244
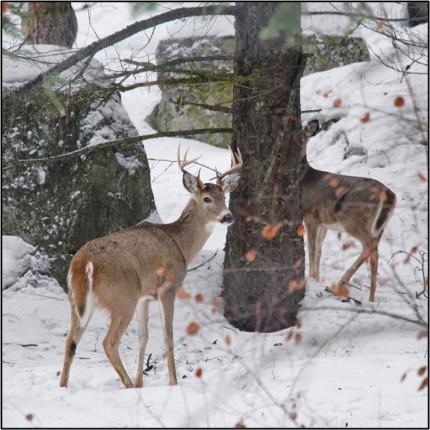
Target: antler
236	165
182	164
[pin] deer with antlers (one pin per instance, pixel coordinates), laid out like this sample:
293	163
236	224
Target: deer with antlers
358	206
123	271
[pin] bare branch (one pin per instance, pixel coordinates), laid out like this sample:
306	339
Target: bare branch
132	29
216	108
119	142
357	15
184	60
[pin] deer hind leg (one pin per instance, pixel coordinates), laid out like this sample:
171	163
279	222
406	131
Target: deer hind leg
167	302
111	345
142	311
312	225
369	248
72	340
374	257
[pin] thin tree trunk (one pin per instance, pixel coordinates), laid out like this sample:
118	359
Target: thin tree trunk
264	279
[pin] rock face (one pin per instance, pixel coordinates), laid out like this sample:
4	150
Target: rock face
59	206
174	112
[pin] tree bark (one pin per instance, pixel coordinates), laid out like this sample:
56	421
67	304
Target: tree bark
50	23
263	279
418	12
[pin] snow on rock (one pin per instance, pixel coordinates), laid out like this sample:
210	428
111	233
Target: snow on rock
23	265
15	259
35	59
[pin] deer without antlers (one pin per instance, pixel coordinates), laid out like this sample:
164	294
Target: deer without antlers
358	206
123	271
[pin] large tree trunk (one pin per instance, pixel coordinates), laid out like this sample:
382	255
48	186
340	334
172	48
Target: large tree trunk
51	23
263	277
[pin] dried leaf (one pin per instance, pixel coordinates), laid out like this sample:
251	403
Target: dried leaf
271	231
290	335
424	384
298	338
414	249
403	377
293	415
365	118
422	333
227	340
337	103
300	230
399	101
250	256
240	424
182	294
199	298
422	370
334	182
199	373
193	328
295	285
421	177
29	417
327	93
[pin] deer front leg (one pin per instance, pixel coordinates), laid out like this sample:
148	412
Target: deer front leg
142	312
312	226
167	302
322	230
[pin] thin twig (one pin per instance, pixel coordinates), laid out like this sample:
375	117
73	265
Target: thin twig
204	262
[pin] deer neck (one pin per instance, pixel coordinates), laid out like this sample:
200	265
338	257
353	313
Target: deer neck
190	231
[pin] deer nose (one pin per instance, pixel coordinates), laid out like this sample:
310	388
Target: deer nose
227	218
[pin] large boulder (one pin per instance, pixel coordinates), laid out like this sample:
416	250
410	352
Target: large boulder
178	108
174	111
58	206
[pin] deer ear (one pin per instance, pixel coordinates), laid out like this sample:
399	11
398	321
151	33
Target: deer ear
191	183
312	128
230	182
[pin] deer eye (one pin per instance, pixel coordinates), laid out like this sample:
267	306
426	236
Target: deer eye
207	199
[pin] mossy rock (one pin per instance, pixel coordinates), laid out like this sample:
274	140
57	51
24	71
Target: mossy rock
59	206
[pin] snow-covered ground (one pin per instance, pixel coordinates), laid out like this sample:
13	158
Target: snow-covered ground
347	369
